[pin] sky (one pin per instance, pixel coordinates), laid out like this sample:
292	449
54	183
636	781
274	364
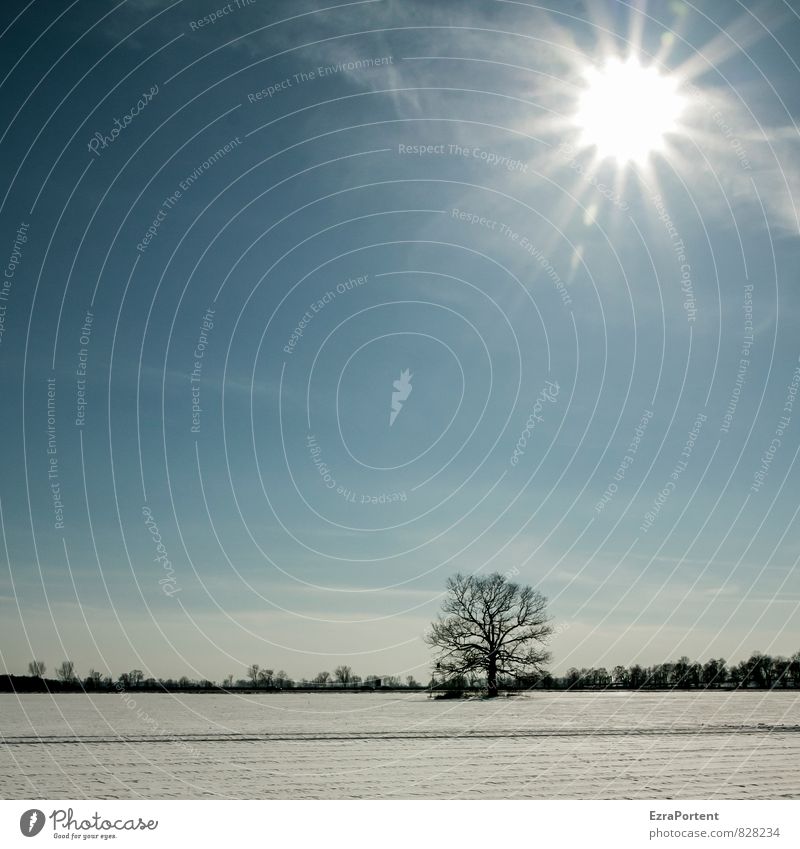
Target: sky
307	307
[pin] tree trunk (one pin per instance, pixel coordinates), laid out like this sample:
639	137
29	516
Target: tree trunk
491	677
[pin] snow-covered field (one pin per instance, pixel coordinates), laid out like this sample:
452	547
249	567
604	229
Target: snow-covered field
569	745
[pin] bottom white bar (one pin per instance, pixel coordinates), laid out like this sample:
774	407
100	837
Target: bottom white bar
399	823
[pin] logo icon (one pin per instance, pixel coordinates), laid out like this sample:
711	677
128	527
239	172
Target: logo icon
403	389
31	822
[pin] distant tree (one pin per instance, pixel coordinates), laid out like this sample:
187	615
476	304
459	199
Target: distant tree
680	673
37	668
252	673
766	667
662	675
713	674
636	677
228	682
135	677
322	678
491	626
343	674
756	671
601	677
183	681
780	670
453	682
93	680
511	682
621	676
411	682
794	669
265	677
66	671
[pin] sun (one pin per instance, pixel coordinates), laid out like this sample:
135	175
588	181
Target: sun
627	110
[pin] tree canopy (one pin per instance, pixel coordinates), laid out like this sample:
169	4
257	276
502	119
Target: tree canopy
490	625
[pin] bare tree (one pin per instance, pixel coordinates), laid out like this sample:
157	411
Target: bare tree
343	674
490	625
322	678
252	673
265	677
37	668
94	680
66	671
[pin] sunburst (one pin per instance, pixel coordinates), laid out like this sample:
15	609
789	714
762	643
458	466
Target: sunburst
627	111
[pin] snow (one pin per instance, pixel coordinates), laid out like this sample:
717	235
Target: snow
335	745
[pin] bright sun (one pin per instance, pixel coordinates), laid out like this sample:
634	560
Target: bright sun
627	110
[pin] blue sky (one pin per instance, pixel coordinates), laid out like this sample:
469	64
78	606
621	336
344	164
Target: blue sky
389	182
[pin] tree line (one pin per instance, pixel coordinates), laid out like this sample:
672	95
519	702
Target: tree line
66	678
491	635
759	671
